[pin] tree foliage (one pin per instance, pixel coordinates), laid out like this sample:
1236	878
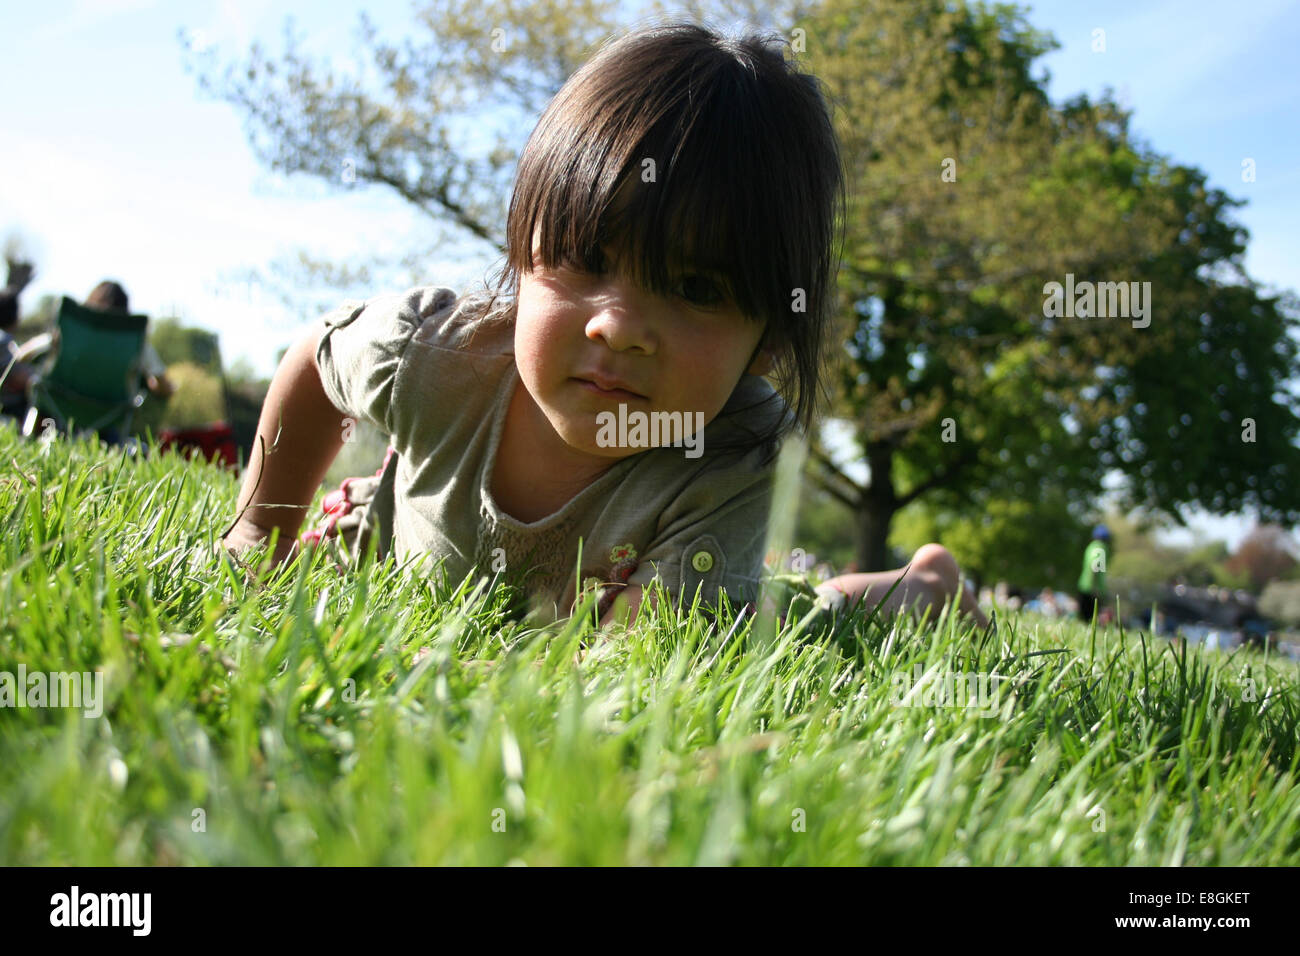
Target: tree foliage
1281	601
176	342
1266	554
972	192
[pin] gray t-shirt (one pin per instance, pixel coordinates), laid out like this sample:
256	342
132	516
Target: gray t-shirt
437	379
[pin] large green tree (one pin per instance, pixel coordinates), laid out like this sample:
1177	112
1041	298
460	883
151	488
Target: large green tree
971	192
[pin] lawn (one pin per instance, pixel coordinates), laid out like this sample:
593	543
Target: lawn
373	718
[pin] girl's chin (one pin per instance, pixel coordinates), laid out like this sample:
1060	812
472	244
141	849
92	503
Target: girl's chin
581	432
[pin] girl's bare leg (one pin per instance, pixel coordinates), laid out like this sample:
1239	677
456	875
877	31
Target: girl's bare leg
931	579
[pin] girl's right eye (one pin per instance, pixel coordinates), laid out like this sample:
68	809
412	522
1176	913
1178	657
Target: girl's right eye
565	262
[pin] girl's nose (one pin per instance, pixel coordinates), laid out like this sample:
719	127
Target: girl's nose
620	317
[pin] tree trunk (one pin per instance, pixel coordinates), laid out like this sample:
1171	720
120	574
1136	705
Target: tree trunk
877	512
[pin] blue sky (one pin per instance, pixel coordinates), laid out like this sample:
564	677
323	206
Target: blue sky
114	164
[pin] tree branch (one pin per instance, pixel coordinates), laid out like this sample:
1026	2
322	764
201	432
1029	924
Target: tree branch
833	473
941	477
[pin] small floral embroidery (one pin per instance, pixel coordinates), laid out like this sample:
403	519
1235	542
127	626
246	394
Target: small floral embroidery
624	559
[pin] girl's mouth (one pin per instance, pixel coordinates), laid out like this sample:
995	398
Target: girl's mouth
619	393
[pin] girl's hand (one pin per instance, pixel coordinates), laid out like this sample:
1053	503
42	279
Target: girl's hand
247	535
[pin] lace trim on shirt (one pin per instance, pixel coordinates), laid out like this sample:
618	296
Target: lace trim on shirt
529	557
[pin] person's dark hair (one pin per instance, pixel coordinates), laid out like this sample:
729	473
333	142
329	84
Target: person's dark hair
8	310
108	296
747	180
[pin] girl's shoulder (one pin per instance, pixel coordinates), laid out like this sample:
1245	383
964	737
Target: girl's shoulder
467	323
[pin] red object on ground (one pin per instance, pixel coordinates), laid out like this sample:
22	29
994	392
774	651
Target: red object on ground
215	442
336	505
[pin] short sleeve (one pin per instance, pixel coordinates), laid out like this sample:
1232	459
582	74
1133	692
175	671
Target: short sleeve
713	538
361	352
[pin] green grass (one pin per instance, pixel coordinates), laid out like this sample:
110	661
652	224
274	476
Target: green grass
375	719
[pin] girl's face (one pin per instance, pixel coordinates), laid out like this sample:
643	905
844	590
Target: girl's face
680	353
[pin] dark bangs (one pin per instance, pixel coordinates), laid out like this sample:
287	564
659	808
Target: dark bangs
688	153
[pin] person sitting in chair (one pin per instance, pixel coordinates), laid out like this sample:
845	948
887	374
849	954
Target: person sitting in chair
109	296
140	366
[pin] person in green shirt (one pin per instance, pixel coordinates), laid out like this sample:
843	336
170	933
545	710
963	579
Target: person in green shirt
1092	580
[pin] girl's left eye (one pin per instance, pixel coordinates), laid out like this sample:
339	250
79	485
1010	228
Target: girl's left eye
701	290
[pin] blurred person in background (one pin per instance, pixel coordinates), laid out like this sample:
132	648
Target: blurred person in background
17	374
109	296
1092	579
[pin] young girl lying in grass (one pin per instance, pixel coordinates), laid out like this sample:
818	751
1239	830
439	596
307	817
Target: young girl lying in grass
671	240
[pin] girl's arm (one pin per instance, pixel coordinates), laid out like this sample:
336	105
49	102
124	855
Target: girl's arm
625	606
301	432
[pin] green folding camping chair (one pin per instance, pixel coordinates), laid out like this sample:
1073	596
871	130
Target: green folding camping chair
94	384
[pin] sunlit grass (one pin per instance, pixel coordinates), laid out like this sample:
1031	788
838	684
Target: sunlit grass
376	718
